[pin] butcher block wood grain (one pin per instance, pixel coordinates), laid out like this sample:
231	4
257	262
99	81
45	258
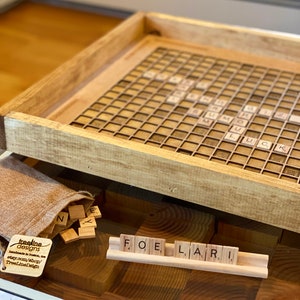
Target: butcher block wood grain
80	271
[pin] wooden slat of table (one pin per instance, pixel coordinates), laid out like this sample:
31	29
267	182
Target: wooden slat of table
284	275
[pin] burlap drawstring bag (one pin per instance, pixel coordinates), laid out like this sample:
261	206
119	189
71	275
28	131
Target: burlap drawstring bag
30	200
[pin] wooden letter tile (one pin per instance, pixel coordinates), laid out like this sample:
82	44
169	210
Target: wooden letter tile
282	148
182	249
229	255
265	145
249	141
225	119
88	222
232	137
94	211
127	242
62	219
157	246
214	253
69	235
76	212
142	245
198	251
86	232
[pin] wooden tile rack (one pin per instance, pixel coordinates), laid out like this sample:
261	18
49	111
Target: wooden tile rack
203	112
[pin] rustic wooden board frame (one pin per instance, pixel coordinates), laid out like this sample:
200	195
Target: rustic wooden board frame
25	128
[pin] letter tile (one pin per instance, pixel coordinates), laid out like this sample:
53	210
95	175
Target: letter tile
182	249
69	235
205	99
232	137
229	255
94	211
263	144
86	232
237	129
142	244
281	116
202	85
62	219
173	100
295	119
205	122
249	141
88	222
198	251
265	112
225	119
157	246
76	212
175	79
194	112
214	253
149	74
127	242
192	97
211	115
250	108
282	148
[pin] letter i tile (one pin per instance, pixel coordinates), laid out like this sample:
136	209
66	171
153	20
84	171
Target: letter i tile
229	255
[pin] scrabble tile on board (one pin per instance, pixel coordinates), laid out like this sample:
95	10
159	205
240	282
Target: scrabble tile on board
76	212
69	235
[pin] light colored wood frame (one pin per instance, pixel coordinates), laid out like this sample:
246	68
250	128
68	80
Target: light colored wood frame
24	128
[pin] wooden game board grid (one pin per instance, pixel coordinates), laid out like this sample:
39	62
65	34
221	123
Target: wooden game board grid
141	107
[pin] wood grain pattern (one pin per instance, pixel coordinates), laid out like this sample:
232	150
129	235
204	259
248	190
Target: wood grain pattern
132	163
262	43
36	38
83	261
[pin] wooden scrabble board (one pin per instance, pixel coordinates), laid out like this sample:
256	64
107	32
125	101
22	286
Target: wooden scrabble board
202	112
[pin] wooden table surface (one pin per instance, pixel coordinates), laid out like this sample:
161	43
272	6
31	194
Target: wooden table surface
79	270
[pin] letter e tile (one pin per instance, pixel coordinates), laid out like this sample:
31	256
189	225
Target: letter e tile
157	246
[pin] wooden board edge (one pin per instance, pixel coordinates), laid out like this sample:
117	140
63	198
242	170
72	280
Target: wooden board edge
250	40
173	174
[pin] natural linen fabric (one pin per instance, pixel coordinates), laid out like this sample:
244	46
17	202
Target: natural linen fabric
30	200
